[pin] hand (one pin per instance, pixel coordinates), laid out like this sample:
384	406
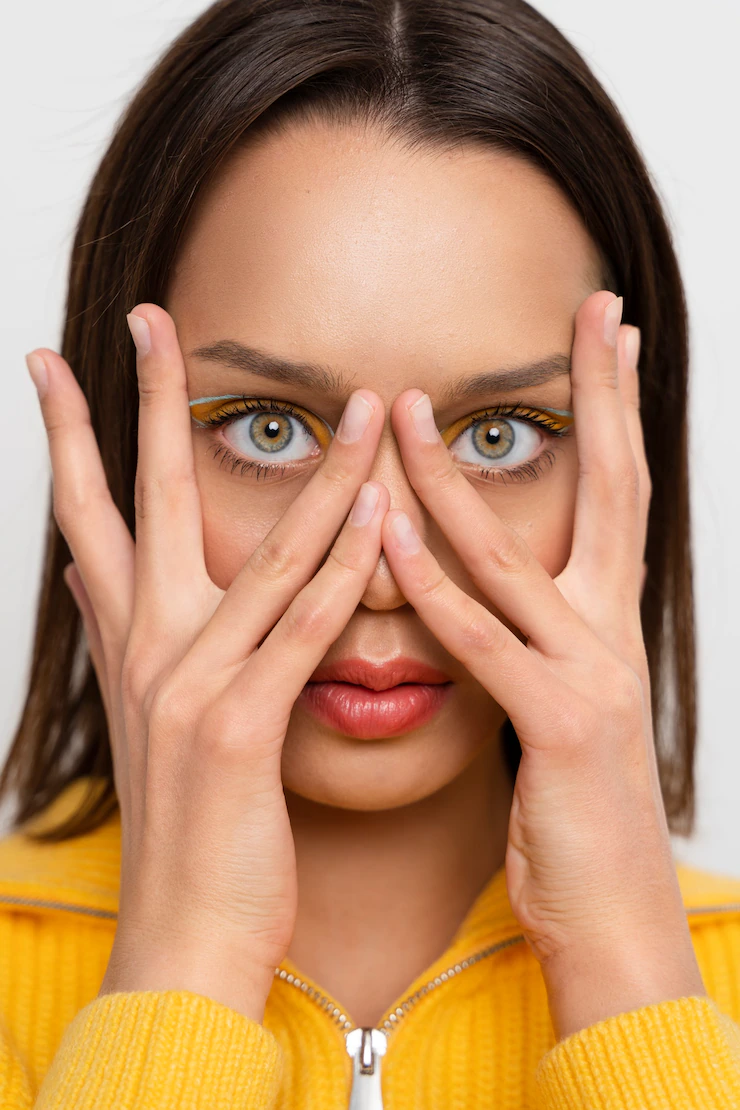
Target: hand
198	705
589	869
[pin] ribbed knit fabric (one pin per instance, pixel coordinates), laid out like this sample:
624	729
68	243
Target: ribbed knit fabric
473	1032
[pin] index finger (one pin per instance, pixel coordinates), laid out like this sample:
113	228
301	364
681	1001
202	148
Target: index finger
606	532
169	526
95	531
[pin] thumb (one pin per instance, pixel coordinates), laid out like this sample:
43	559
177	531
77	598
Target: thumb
76	587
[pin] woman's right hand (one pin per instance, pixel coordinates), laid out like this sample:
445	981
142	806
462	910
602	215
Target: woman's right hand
198	683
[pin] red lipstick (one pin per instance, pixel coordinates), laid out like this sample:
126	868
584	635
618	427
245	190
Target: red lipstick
371	701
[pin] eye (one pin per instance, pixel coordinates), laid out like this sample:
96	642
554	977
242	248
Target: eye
262	431
505	437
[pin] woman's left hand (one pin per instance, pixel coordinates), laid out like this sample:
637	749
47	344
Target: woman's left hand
589	868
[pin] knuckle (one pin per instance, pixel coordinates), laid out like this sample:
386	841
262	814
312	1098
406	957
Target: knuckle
223	738
432	589
274	560
167	708
626	696
338	472
58	423
441	471
626	480
307	620
173	490
138	673
607	373
148	494
345	560
151	387
217	740
478	635
507	553
71	505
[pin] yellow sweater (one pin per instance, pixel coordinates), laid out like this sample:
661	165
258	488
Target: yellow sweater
472	1033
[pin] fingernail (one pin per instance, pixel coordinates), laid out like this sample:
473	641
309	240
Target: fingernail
355	419
405	534
612	318
632	347
140	332
39	374
423	418
364	506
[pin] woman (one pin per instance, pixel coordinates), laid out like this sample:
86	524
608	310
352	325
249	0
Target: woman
358	788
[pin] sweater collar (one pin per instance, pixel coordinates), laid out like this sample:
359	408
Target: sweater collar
83	874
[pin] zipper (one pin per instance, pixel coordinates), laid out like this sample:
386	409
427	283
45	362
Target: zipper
366	1046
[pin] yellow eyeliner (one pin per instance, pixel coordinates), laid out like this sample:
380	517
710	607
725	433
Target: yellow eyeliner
203	407
557	420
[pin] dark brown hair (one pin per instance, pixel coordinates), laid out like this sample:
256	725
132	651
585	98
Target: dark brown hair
434	73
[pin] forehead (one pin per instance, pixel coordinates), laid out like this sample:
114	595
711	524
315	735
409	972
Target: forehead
337	244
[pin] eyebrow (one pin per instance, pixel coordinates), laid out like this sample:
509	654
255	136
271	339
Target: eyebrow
237	355
255	361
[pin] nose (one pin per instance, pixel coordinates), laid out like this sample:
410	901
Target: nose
382	591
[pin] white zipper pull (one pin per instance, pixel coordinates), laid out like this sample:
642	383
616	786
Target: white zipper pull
366	1046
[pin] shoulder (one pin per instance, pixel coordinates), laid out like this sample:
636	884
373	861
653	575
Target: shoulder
712	901
81	873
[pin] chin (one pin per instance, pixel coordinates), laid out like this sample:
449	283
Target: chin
365	774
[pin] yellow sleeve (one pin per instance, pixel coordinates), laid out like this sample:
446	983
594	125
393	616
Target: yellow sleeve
155	1050
682	1054
15	1081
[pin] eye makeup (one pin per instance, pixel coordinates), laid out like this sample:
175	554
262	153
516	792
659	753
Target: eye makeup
274	437
507	433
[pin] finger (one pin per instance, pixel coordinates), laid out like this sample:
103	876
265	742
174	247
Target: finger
319	613
629	340
76	587
169	526
605	544
96	533
290	553
515	676
498	559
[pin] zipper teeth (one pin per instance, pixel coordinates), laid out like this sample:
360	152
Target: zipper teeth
323	1001
393	1019
395	1016
21	901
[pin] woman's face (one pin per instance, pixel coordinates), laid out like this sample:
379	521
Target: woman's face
387	270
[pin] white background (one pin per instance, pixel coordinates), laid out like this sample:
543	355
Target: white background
672	69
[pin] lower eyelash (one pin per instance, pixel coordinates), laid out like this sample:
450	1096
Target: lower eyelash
524	473
244	466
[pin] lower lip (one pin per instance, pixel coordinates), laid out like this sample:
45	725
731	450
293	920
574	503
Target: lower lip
373	714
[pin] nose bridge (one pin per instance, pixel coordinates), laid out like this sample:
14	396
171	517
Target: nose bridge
388	468
382	591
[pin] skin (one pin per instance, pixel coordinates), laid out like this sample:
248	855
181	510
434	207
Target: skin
526	594
318	246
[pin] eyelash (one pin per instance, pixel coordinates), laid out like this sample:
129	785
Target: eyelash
533	469
519	409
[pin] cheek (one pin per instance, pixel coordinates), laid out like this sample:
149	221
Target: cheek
542	512
236	518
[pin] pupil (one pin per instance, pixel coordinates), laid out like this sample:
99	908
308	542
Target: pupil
492	435
272	429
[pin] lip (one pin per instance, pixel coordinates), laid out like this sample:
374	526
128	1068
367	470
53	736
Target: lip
375	700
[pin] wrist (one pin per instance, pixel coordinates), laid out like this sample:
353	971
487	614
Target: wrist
242	987
588	986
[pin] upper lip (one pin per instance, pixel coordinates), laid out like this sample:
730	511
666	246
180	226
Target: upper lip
379	676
